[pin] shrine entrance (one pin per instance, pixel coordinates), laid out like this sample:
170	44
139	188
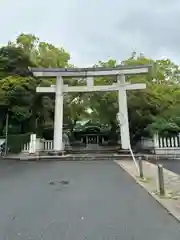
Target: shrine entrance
121	86
92	139
91	135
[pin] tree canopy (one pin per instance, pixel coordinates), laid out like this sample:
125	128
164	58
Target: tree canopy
155	109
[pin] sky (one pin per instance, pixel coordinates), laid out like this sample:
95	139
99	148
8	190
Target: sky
93	30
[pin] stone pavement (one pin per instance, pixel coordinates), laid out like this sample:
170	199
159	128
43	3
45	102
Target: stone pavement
171	200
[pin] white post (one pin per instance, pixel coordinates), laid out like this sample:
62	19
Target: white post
58	118
32	144
123	110
156	141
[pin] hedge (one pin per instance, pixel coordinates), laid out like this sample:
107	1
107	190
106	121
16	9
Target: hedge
16	142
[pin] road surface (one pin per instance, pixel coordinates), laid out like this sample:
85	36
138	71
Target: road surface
172	165
78	201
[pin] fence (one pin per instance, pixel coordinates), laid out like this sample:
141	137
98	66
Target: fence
161	145
169	142
48	145
158	145
167	145
26	147
40	145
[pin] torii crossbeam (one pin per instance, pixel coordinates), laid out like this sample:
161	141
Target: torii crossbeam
89	73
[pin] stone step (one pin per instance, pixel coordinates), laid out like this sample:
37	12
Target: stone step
90	151
94	149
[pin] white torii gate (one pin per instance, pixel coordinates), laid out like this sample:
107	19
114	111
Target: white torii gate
89	73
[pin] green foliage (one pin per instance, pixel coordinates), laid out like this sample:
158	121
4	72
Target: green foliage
161	98
42	54
163	127
48	133
155	109
16	142
14	61
18	87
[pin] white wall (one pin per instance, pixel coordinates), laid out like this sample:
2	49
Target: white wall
147	143
167	151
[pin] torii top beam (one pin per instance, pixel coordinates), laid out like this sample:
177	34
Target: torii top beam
90	72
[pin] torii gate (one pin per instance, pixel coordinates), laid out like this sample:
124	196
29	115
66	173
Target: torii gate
89	73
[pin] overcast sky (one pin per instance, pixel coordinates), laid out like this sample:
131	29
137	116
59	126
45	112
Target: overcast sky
93	30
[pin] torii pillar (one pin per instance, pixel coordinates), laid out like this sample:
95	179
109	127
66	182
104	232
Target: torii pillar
123	114
58	116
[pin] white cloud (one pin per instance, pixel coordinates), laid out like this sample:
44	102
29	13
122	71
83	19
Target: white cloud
95	30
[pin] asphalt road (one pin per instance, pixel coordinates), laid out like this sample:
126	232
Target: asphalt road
78	201
172	165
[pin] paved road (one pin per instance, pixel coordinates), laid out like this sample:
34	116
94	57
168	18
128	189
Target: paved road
100	202
172	165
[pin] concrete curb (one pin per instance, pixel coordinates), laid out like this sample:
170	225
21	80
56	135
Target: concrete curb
67	157
169	209
60	158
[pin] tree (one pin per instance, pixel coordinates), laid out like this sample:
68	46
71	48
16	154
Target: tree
19	86
51	56
13	61
20	93
146	106
29	44
168	118
154	109
40	53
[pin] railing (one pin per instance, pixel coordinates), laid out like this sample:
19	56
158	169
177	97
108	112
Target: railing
169	142
48	145
167	145
161	144
26	147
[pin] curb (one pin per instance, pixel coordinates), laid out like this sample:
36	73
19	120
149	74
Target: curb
169	210
68	157
56	159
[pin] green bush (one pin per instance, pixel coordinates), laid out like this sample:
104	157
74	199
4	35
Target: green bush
16	142
48	133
